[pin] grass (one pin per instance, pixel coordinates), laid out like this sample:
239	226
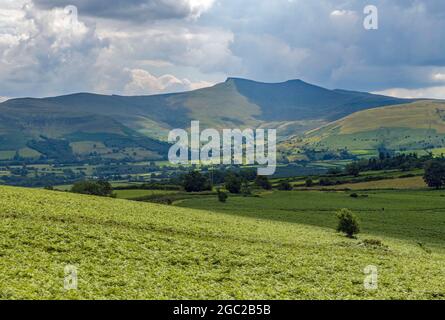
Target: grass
29	153
415	126
138	193
7	155
406	216
400	183
279	246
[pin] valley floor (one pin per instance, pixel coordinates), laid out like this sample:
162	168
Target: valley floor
281	245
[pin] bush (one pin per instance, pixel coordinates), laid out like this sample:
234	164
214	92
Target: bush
309	183
222	196
326	182
435	174
96	188
354	195
263	182
285	186
233	183
373	243
195	182
334	171
353	169
347	223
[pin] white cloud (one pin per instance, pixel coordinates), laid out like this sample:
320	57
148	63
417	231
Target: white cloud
439	77
43	50
207	49
342	13
432	93
143	83
198	7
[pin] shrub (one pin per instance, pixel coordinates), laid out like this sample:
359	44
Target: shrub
233	183
263	182
285	186
96	188
354	195
353	169
222	196
334	171
326	182
347	223
373	243
196	182
434	174
309	183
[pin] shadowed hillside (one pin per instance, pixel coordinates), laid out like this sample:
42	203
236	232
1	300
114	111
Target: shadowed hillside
120	124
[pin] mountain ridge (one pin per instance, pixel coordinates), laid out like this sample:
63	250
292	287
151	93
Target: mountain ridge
293	106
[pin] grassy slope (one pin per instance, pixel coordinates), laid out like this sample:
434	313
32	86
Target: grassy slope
411	126
133	250
139	193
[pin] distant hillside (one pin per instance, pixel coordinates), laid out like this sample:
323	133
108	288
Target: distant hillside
92	125
409	127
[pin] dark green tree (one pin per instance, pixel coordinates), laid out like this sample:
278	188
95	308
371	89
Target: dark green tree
97	188
233	183
347	223
263	182
194	181
285	186
435	174
353	169
309	183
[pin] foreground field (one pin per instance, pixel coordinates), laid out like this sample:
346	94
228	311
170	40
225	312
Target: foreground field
133	250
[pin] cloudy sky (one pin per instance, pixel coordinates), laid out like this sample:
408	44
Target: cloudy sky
53	47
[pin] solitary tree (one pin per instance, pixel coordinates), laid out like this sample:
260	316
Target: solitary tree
434	174
347	223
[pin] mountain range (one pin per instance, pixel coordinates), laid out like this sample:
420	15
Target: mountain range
84	125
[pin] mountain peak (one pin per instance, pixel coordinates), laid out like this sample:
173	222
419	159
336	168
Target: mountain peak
236	79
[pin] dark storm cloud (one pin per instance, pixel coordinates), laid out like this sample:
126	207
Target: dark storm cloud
324	41
319	41
132	10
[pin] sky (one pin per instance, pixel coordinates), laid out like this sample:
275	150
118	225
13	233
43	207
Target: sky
139	47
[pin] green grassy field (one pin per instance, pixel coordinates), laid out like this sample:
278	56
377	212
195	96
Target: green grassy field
400	183
279	246
138	193
413	127
407	216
